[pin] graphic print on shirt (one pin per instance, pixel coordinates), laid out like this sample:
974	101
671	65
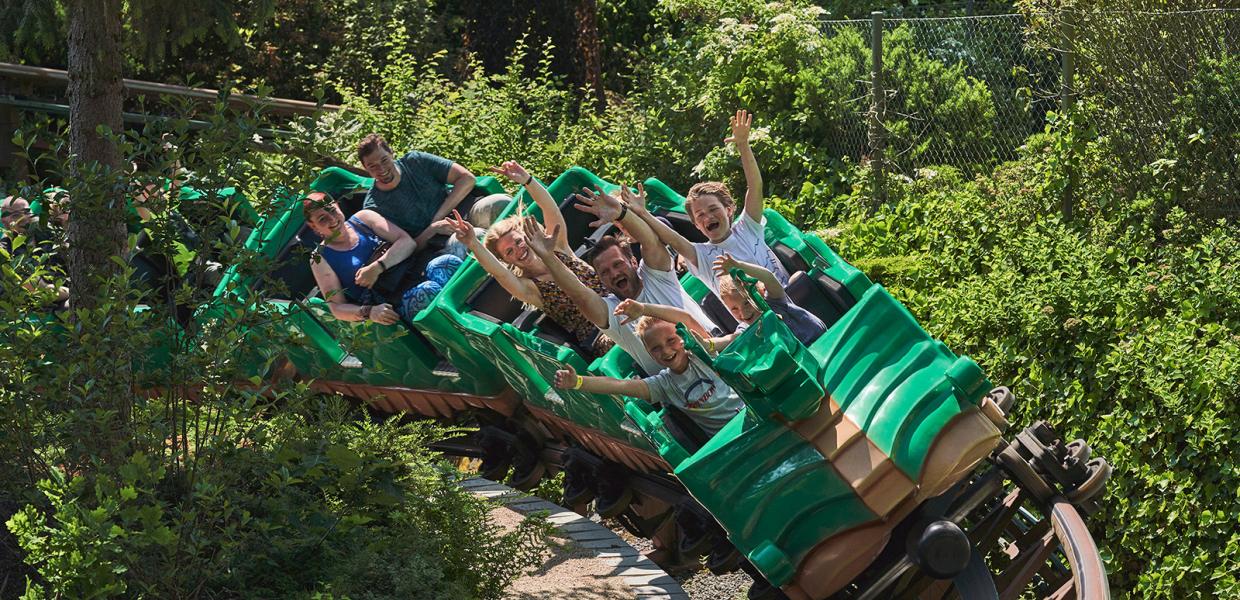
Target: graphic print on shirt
699	394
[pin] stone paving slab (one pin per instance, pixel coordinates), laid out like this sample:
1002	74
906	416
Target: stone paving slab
640	574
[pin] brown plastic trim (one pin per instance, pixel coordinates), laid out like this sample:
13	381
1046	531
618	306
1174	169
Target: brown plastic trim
607	447
430	403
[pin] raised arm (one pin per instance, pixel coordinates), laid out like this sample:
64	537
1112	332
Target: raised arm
726	263
667	235
329	287
552	217
521	288
609	209
632	310
741	123
587	300
567	379
402	247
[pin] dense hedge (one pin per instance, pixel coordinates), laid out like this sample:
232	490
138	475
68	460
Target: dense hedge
1121	327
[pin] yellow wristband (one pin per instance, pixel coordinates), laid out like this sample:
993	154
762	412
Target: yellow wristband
580	382
711	345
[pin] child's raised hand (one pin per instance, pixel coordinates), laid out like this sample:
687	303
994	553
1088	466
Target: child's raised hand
630	310
724	265
741	123
566	378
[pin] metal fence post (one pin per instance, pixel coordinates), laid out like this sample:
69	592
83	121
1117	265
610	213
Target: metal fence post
1068	64
878	101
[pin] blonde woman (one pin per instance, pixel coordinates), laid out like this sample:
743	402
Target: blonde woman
507	255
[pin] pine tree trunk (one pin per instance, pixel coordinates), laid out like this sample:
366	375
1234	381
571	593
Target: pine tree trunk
96	228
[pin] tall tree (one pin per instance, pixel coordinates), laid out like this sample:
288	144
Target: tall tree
101	33
97	221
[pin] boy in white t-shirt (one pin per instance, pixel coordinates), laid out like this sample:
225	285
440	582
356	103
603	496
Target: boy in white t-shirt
710	205
685	381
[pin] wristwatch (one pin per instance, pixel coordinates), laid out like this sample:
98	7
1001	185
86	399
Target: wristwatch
364	311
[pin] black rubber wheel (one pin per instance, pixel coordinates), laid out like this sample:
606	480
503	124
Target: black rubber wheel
610	506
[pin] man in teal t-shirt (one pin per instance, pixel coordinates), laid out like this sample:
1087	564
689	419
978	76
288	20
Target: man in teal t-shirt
413	191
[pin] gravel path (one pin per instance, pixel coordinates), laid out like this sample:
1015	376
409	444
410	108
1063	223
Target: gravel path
699	583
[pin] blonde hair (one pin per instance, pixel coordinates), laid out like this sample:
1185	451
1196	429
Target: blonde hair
709	188
645	323
504	227
729	288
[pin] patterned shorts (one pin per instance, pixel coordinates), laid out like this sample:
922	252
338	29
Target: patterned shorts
418	297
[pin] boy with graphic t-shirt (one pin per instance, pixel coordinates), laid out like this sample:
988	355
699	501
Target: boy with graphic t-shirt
685	381
710	206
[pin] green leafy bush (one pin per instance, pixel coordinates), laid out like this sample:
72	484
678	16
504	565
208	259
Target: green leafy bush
148	455
1121	327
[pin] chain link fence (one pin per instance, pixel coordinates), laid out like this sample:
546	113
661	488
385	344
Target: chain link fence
1161	88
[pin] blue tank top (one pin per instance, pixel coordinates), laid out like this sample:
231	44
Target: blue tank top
346	263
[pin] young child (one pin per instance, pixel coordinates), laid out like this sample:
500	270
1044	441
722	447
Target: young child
685	381
710	205
803	324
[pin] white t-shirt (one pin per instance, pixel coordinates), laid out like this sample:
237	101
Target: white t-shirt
746	243
658	287
698	391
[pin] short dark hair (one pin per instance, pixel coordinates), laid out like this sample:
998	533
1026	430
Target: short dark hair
369	144
315	201
608	242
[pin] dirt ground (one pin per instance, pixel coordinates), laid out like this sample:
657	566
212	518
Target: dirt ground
567	572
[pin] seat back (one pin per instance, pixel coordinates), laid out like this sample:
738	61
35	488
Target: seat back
714	308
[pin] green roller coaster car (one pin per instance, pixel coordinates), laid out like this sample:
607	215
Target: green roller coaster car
392	355
839	441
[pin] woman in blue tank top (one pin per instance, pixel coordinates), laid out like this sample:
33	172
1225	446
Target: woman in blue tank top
353	261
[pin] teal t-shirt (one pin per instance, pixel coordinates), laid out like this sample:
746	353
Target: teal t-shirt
422	188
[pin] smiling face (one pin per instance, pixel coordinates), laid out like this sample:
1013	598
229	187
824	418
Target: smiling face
380	163
618	272
512	249
741	308
712	217
738	301
326	221
664	345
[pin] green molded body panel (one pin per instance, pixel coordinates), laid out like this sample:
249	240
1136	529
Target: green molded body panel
893	380
758	477
775	494
390	355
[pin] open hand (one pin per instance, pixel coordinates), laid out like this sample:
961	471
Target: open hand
512	170
740	122
540	241
724	264
566	378
384	314
637	200
630	310
603	206
461	229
